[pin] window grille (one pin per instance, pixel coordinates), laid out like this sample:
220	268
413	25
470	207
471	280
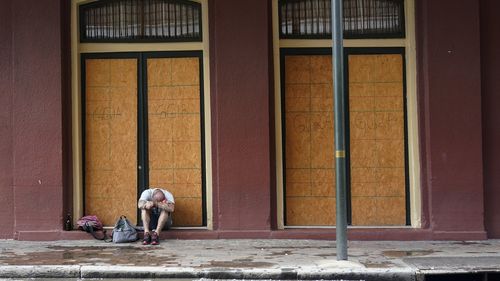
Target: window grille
140	21
311	19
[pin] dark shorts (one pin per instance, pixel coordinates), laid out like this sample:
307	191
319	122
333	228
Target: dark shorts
155	215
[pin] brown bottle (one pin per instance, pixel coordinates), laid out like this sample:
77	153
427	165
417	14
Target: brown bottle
68	225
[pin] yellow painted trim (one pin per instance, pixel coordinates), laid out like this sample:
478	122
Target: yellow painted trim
411	88
340	154
412	119
76	117
208	115
78	48
138	47
348	43
277	122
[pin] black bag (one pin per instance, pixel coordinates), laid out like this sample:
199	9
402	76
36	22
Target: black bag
124	231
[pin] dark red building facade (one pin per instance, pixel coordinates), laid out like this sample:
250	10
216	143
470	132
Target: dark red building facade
456	65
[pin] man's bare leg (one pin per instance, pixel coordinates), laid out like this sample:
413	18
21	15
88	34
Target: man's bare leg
162	220
146	218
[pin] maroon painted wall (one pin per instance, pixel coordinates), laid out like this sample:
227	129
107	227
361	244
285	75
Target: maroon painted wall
239	44
449	92
32	82
37	129
490	46
6	192
67	137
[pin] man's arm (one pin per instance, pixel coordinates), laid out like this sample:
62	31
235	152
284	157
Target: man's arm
145	201
166	205
142	204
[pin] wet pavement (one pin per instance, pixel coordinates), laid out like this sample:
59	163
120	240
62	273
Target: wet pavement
245	259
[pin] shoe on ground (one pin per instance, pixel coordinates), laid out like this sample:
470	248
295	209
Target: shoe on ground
147	239
155	240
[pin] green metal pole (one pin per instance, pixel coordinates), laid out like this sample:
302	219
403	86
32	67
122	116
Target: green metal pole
340	160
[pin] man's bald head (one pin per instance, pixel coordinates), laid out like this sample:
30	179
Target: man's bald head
158	195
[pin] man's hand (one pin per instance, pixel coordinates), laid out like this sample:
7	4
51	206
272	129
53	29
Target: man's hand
149	205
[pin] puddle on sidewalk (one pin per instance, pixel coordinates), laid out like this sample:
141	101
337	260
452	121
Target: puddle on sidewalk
237	264
378	264
473	243
136	279
89	256
97	279
403	254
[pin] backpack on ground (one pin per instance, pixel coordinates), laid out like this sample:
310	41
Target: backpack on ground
124	231
92	225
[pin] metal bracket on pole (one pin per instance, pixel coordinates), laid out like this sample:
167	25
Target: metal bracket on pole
340	161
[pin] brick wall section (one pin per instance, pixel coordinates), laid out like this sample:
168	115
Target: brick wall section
450	116
6	192
37	129
490	61
240	72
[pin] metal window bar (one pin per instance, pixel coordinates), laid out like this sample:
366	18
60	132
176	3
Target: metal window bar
116	20
141	21
146	18
284	16
156	20
112	25
198	23
97	23
193	22
176	21
167	21
190	21
315	15
128	18
104	22
362	19
185	21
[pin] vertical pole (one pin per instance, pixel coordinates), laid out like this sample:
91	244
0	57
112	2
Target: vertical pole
340	160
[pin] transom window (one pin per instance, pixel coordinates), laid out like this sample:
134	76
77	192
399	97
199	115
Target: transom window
140	21
305	19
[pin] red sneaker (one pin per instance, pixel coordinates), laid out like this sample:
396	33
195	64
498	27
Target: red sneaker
147	239
155	240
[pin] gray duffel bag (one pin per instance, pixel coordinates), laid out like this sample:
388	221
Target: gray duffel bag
124	231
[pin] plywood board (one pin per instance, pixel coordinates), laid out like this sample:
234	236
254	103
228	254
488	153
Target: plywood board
174	132
376	128
309	142
376	116
111	139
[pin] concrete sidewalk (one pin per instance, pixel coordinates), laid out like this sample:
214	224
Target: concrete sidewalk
247	259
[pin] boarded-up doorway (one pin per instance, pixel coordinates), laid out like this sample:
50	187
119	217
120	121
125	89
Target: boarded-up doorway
143	127
376	137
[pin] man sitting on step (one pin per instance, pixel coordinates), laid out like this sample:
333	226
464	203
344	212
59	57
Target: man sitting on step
156	207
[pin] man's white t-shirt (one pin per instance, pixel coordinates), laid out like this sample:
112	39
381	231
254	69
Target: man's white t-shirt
147	195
